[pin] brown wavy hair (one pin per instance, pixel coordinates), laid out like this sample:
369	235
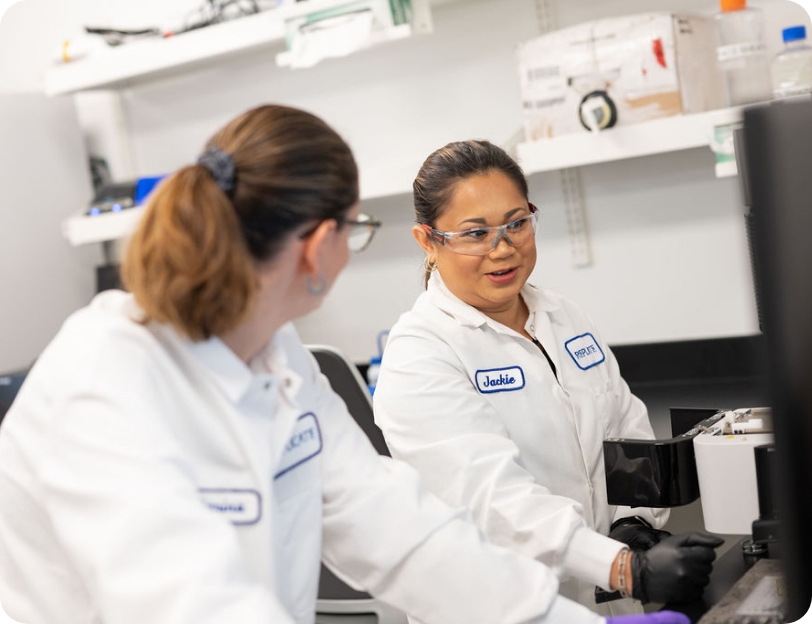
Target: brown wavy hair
192	261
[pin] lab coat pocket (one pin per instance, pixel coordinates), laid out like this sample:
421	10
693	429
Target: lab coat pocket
302	479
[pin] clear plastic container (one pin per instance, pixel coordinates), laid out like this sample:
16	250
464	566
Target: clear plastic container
792	68
742	53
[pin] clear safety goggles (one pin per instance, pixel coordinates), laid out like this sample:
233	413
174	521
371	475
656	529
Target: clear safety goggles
481	241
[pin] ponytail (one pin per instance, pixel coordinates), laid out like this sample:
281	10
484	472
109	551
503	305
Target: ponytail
193	259
187	263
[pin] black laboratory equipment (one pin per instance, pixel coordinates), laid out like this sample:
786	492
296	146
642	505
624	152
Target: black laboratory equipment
774	157
113	198
778	157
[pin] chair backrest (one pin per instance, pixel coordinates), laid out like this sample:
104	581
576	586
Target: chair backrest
346	381
9	386
335	596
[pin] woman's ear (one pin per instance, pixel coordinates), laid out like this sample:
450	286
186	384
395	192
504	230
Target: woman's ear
422	238
315	246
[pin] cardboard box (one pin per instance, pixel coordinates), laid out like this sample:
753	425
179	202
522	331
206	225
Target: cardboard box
644	66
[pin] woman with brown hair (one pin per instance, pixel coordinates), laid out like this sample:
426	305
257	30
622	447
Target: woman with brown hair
501	394
175	455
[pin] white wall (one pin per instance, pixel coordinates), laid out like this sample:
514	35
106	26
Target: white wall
43	179
670	256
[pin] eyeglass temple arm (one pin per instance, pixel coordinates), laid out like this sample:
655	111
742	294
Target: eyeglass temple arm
433	234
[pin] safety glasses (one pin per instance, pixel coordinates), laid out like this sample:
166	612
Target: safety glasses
480	241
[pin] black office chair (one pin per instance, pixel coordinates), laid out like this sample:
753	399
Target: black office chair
336	598
9	386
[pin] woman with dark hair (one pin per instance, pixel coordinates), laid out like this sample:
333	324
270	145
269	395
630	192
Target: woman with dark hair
175	455
501	394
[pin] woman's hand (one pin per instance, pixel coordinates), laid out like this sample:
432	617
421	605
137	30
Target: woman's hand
636	533
675	570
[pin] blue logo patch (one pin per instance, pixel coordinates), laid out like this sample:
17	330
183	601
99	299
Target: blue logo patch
239	506
304	444
584	351
500	379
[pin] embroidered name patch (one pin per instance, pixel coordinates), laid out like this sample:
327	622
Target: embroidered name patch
239	506
500	379
304	444
585	351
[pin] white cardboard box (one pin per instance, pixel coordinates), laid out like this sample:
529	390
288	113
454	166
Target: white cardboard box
649	65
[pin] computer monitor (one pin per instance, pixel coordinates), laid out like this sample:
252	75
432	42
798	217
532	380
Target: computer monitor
778	169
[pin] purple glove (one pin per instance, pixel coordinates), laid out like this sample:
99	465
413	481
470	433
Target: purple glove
658	617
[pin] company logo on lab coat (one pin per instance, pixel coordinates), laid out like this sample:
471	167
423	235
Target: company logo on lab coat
304	444
585	351
239	506
500	379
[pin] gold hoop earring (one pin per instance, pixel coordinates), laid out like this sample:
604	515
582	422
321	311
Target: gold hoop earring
430	265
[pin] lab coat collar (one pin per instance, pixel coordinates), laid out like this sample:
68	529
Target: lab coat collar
467	315
235	378
274	359
538	300
228	371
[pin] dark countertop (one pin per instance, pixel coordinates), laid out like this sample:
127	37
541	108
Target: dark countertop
727	569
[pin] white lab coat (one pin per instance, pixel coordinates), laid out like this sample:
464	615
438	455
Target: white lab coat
145	478
476	408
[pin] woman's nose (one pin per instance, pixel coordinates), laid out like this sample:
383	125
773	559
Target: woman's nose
497	247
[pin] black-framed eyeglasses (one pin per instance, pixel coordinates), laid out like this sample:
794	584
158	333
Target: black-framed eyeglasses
480	241
362	231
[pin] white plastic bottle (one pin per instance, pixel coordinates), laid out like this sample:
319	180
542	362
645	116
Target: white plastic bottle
742	53
792	68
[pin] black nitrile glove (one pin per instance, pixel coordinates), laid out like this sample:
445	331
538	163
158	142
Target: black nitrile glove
636	533
675	570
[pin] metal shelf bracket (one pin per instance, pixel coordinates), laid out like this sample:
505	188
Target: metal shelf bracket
577	224
547	15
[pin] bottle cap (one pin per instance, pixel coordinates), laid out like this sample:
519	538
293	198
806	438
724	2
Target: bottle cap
732	5
794	33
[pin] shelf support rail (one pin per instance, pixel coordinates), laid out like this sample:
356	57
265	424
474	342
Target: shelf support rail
547	15
577	225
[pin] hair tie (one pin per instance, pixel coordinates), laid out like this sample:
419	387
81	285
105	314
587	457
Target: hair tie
221	166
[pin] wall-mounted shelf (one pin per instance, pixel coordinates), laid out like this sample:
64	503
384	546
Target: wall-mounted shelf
653	137
149	59
668	134
84	229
